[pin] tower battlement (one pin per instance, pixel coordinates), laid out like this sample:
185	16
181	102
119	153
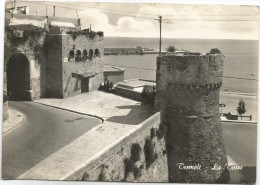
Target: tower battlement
191	70
187	95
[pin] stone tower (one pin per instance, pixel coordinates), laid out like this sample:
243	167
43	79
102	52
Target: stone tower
188	89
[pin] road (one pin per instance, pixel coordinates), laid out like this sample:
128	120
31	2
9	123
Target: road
241	142
241	145
44	131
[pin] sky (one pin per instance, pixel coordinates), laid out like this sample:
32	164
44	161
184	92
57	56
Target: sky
141	19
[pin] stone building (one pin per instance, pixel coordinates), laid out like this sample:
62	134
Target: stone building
113	74
188	98
51	57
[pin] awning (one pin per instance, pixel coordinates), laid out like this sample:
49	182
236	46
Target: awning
83	75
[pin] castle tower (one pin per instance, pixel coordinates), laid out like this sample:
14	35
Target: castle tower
188	97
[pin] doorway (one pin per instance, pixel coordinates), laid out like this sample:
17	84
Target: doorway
18	78
85	85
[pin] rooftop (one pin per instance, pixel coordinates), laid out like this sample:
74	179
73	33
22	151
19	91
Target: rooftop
107	68
134	83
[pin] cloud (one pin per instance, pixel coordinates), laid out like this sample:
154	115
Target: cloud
97	20
137	27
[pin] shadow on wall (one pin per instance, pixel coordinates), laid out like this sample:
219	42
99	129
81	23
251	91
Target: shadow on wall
67	84
136	115
77	85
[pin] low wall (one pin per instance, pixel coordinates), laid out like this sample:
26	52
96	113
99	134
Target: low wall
5	110
139	157
128	93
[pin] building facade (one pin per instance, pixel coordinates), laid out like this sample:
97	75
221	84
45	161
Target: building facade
51	61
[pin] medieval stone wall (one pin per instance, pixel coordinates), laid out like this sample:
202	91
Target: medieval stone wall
187	72
29	43
53	51
72	85
188	98
54	57
139	157
82	62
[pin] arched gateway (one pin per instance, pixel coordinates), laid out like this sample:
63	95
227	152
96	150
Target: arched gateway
18	78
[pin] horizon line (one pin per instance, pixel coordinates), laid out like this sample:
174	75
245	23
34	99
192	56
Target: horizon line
182	38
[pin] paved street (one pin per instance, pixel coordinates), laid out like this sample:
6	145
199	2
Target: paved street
240	140
56	149
44	131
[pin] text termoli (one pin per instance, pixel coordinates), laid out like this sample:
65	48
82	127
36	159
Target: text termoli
182	166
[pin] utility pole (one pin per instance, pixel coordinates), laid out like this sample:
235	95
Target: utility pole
77	13
53	11
160	41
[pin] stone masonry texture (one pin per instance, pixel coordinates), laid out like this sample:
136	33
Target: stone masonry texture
51	63
188	98
124	162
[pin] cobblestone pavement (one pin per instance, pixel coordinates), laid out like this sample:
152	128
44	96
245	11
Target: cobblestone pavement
14	120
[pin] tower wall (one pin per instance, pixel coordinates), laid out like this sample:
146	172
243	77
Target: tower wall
53	51
68	55
188	98
83	65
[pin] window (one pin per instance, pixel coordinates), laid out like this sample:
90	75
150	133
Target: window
91	54
97	53
71	55
78	55
85	54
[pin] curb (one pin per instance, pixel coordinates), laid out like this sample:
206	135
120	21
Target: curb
239	122
16	125
90	115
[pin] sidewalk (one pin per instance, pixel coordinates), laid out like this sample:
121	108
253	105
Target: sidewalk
14	120
122	117
112	108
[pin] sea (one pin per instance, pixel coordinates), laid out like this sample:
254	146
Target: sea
240	62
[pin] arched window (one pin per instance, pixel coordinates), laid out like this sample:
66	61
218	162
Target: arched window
97	53
78	55
91	54
85	54
71	54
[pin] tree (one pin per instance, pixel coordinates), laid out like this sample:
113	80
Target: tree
241	109
215	51
171	49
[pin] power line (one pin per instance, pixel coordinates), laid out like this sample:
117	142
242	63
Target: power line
158	14
103	12
135	16
112	10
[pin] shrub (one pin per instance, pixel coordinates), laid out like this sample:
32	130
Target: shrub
171	49
150	155
136	172
102	176
161	132
153	133
129	165
215	51
135	152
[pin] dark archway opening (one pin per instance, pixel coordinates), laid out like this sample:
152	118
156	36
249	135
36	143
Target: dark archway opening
91	53
18	78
